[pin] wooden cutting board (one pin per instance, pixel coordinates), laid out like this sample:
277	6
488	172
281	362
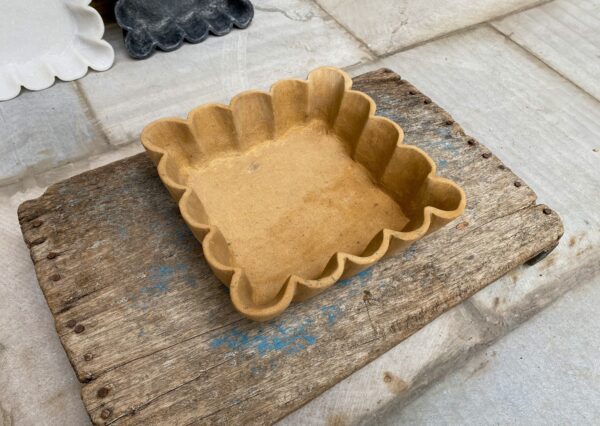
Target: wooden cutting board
151	332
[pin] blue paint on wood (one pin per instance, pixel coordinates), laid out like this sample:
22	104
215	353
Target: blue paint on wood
160	281
287	335
122	232
409	253
275	336
331	312
361	277
162	276
443	143
442	164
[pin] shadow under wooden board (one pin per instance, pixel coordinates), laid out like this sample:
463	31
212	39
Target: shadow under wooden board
153	337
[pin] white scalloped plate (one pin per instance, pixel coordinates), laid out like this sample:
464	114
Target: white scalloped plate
44	39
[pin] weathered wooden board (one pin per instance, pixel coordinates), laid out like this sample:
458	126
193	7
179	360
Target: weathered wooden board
153	337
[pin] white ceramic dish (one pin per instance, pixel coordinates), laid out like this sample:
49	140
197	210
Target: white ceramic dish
44	39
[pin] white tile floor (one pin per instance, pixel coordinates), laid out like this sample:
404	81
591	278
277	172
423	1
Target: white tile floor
546	372
525	85
388	26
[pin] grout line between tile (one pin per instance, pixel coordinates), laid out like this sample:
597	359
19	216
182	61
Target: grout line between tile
90	113
541	60
464	29
363	44
73	167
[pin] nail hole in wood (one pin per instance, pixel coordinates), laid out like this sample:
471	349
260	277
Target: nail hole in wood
38	241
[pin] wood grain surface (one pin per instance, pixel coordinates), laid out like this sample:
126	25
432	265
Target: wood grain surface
151	332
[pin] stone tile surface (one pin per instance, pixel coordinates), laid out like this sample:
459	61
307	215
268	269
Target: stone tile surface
565	34
389	25
286	38
42	130
544	373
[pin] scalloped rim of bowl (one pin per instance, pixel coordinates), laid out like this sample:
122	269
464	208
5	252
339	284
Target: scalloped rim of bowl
133	33
341	265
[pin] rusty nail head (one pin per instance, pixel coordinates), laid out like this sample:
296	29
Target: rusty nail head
102	392
449	122
471	142
486	154
55	277
79	328
37	241
37	223
387	378
547	210
52	255
105	414
502	167
518	184
412	92
71	323
88	356
427	101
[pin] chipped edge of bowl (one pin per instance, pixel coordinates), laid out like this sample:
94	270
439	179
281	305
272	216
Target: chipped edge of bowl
297	288
156	44
13	77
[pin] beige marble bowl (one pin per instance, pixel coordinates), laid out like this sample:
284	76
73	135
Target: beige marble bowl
292	190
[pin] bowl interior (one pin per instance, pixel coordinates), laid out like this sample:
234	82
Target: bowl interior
287	206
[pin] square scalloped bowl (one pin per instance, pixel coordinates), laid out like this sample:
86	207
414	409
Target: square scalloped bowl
292	190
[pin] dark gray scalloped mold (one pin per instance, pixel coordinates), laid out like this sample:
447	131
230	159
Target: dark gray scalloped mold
165	24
